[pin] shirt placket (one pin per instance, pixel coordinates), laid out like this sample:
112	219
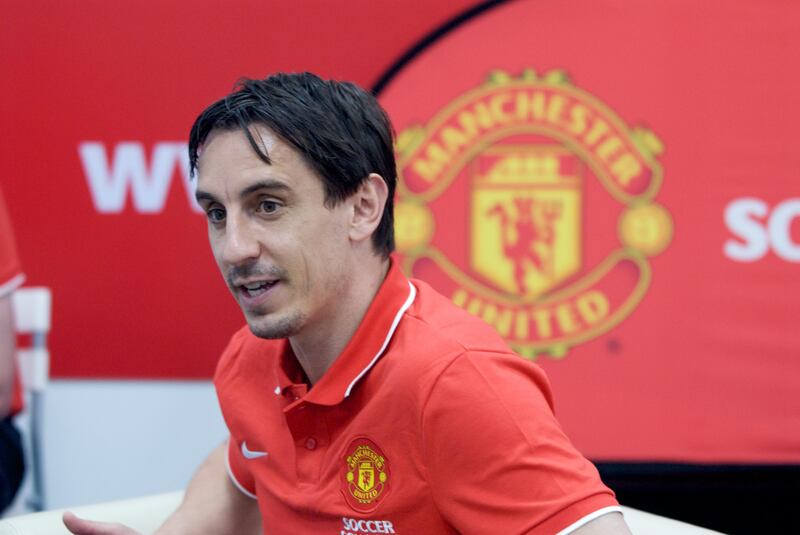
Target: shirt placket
307	423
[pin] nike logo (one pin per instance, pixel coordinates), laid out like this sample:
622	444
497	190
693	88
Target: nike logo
249	454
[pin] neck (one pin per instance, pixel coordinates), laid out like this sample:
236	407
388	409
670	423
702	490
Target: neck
318	347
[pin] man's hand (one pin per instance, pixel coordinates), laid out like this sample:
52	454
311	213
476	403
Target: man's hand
79	526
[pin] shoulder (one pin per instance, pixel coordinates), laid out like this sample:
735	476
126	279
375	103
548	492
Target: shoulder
11	275
10	281
438	319
432	334
440	348
509	394
462	369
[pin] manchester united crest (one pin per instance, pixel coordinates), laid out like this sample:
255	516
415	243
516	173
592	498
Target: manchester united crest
365	480
492	209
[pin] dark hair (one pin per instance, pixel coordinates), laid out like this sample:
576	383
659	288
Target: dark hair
339	128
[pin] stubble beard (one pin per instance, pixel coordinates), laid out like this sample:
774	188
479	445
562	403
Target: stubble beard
282	327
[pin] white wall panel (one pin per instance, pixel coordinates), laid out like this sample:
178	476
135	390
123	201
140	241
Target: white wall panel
107	440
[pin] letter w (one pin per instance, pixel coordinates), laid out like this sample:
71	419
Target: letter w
109	183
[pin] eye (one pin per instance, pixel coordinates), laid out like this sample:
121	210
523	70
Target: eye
215	215
268	207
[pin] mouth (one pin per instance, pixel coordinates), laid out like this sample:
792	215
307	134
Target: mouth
253	292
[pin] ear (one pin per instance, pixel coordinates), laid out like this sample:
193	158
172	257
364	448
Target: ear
368	202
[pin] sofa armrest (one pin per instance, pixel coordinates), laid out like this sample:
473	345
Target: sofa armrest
643	523
144	514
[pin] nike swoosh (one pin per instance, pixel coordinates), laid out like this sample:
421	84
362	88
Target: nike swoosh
249	454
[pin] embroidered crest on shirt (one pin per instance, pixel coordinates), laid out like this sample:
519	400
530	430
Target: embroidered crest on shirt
365	477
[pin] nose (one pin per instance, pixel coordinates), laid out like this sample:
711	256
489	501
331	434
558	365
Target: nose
241	242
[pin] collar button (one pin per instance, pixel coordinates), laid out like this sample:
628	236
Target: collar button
311	443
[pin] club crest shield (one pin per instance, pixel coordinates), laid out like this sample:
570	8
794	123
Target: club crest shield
365	475
525	218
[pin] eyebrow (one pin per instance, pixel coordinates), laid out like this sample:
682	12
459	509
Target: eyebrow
270	184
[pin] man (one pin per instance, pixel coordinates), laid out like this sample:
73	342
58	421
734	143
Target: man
11	277
357	401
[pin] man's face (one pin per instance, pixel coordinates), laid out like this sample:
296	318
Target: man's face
282	252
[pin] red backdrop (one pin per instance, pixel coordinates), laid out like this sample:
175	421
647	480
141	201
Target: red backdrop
136	291
701	361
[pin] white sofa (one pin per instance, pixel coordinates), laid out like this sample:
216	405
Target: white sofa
147	513
144	514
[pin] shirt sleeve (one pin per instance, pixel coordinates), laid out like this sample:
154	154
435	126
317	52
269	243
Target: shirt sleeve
237	470
231	402
496	456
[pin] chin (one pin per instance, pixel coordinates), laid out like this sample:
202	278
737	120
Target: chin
274	328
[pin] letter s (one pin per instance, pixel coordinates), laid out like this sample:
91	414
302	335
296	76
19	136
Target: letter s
740	219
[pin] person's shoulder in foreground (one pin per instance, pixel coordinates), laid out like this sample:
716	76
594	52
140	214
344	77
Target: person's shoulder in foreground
11	401
11	275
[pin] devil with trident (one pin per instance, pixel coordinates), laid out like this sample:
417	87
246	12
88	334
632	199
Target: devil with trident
528	233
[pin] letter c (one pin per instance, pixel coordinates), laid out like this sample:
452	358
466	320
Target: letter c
780	230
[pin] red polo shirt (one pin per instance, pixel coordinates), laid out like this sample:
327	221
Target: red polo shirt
11	278
426	423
